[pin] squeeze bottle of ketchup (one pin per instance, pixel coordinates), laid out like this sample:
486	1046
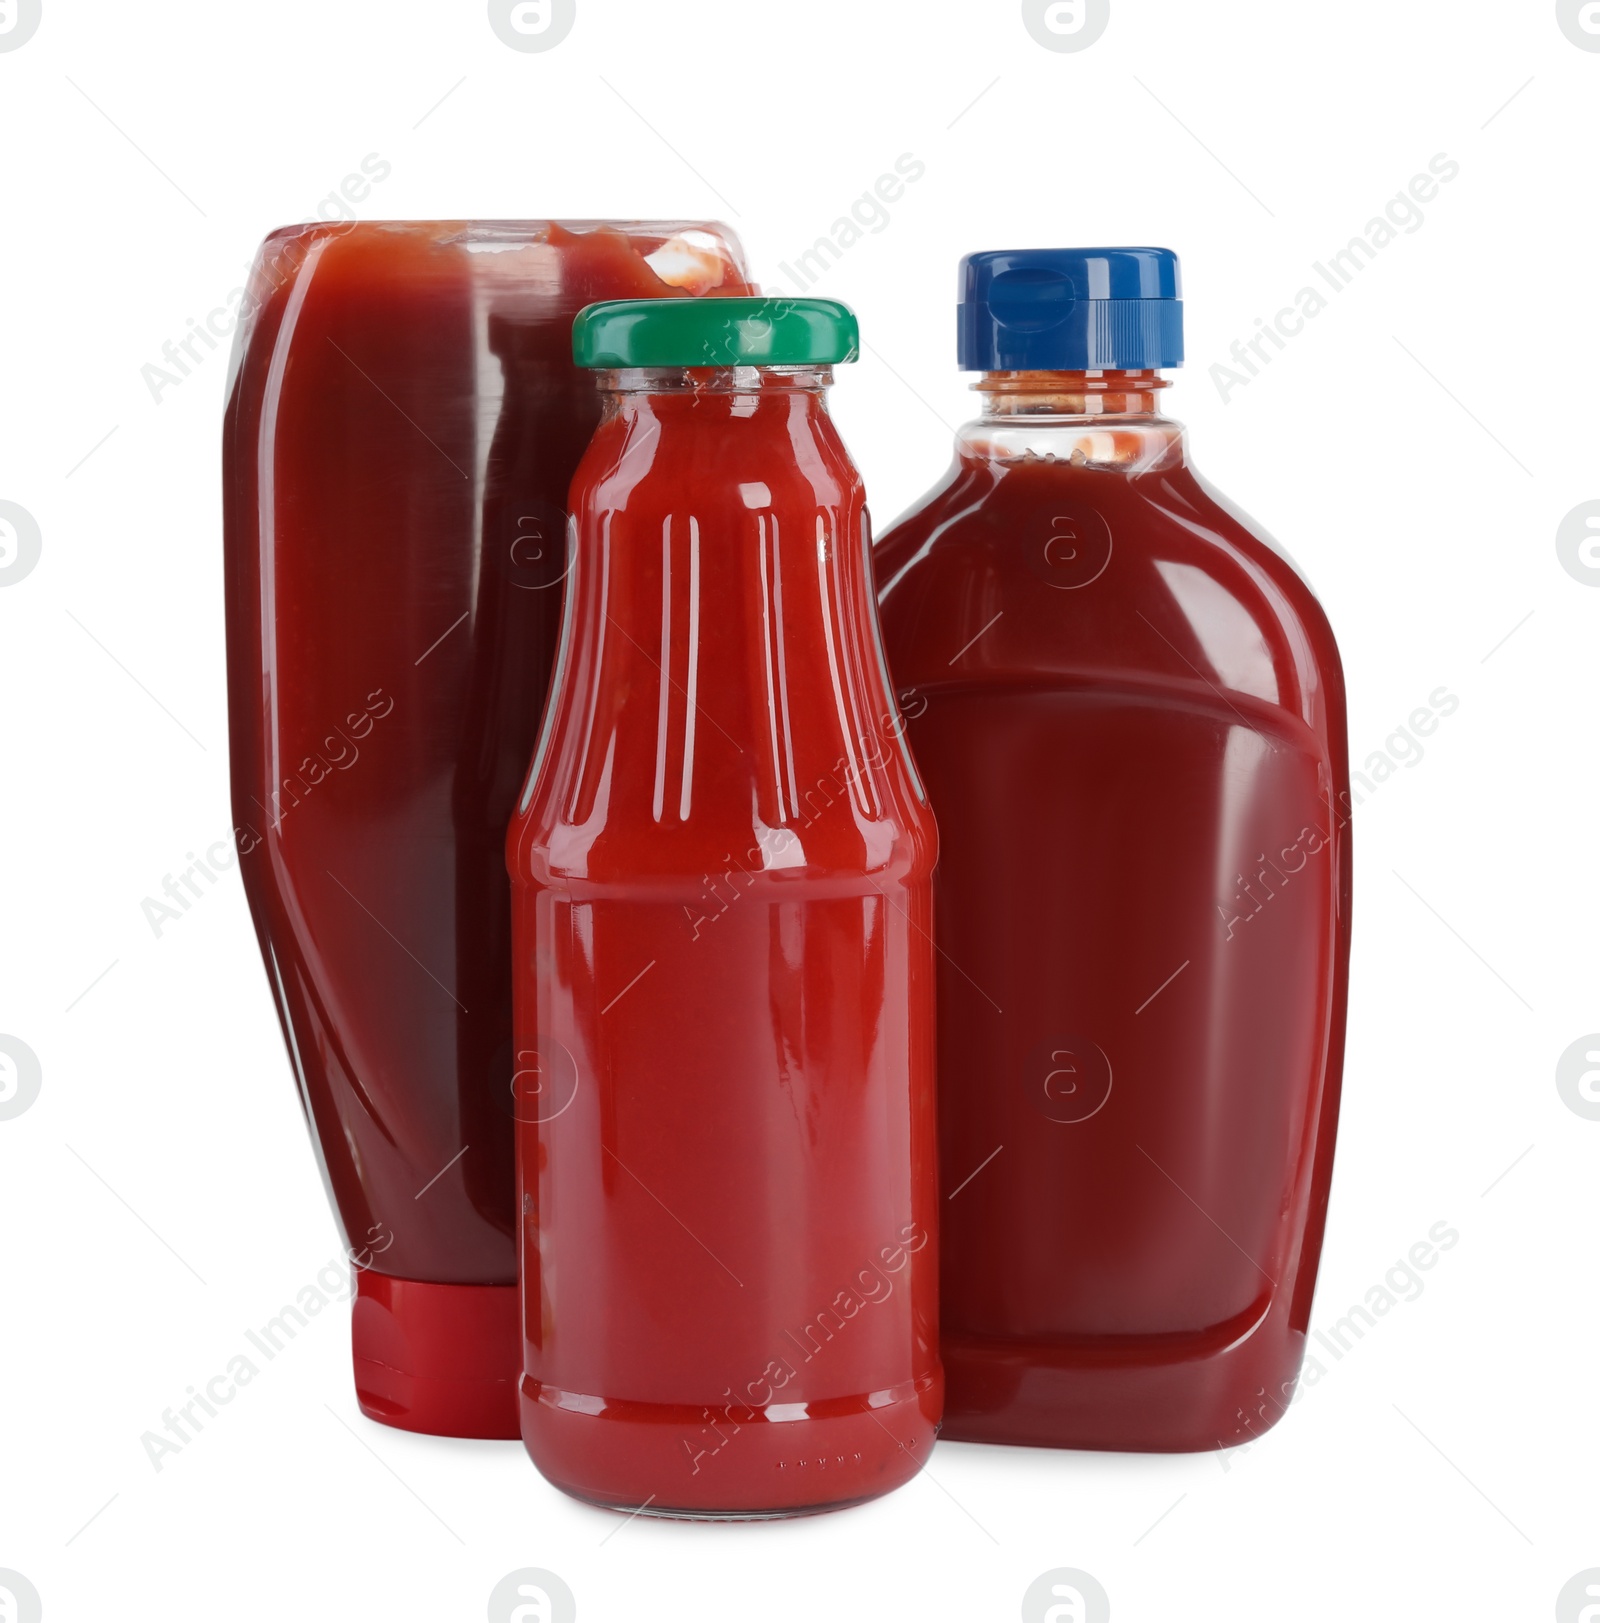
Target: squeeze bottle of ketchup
1129	712
403	422
722	952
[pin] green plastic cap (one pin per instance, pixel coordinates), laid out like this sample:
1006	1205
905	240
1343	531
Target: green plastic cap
715	332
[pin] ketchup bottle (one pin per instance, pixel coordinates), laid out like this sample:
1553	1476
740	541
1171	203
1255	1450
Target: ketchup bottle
1130	715
403	422
723	966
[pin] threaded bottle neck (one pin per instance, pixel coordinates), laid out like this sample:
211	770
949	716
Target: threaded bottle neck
1070	394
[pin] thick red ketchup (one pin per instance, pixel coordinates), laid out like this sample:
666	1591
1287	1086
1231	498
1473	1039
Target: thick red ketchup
1129	712
723	959
403	421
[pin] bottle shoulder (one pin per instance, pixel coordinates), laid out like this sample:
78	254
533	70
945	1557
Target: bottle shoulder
1042	571
720	704
656	776
855	829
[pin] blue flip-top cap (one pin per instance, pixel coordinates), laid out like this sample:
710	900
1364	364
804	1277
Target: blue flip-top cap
1069	310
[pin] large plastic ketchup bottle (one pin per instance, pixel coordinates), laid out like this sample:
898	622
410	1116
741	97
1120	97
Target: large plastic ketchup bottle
723	966
403	422
1129	713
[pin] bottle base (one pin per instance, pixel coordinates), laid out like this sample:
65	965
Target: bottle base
691	1462
656	1513
439	1359
1158	1395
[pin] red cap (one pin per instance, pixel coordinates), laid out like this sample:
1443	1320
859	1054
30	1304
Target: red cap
442	1359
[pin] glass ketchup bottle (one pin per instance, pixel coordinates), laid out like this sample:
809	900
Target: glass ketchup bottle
1129	711
723	966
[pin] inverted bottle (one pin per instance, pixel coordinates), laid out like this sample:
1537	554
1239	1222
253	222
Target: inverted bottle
723	959
1129	711
403	422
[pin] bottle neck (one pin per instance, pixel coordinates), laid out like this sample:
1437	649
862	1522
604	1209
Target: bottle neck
633	381
720	644
1094	419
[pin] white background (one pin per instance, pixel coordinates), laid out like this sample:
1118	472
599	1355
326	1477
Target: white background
1415	448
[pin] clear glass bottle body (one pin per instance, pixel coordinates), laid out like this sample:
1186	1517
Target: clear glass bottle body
723	979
